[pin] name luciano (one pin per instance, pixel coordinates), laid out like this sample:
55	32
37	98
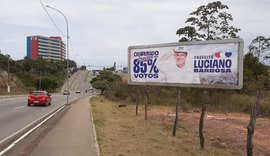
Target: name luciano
213	66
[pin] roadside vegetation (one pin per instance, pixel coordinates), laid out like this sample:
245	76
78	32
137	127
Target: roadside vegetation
120	132
29	73
116	88
208	22
123	129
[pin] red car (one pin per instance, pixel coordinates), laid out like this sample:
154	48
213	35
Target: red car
38	97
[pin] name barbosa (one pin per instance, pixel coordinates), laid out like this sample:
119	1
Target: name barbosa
213	66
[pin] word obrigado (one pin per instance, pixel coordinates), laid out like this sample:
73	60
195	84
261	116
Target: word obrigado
145	64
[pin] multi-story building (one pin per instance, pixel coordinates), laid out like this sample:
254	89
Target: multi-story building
46	47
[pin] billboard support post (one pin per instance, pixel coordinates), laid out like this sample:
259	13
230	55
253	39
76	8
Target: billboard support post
176	112
137	101
251	125
146	103
201	123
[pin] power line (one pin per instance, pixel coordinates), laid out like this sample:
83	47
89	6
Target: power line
56	25
52	19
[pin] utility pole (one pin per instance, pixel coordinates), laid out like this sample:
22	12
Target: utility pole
39	80
67	56
8	86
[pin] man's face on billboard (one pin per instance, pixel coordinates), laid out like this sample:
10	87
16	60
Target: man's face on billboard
180	59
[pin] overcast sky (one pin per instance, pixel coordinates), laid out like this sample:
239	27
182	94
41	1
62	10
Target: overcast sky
101	30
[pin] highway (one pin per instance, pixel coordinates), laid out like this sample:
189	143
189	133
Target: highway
16	116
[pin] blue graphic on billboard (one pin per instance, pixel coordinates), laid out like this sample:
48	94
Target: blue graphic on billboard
144	64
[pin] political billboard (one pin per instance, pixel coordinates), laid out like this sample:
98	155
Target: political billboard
201	64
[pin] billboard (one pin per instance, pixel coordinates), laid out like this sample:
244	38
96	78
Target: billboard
202	64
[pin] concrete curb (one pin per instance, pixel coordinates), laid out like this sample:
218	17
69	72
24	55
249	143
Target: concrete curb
94	130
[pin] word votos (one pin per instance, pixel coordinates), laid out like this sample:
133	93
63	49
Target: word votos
146	75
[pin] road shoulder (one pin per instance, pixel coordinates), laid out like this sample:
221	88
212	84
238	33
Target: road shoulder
68	133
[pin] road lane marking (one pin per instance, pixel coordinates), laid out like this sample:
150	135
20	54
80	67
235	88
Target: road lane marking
27	133
19	107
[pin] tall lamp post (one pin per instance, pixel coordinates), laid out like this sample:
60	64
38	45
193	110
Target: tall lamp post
39	80
8	86
67	47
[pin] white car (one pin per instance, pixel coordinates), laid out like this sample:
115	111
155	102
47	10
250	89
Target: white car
66	92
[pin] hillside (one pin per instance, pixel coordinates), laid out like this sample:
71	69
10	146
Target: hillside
15	84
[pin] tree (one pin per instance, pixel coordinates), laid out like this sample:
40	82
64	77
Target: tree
104	80
259	45
209	22
101	84
83	68
256	75
120	89
71	63
188	32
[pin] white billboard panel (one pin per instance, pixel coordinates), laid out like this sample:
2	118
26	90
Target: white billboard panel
202	64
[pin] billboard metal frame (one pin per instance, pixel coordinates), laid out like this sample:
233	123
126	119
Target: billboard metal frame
240	63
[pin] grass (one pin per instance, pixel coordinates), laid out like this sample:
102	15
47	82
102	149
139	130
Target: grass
121	132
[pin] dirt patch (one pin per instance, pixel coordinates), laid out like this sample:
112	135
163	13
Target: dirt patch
120	132
228	128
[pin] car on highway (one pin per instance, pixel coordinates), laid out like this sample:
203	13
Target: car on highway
39	97
66	92
78	91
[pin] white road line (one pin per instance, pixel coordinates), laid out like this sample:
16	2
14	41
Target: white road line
19	107
23	136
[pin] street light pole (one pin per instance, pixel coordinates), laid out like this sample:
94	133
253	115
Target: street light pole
67	56
8	86
39	80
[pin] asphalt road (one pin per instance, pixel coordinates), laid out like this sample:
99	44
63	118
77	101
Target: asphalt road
16	115
79	81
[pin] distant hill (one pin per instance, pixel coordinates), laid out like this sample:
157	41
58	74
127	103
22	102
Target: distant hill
16	85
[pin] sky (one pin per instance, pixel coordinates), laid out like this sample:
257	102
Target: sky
101	31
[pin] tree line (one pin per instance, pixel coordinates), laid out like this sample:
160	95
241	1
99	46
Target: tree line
51	73
208	22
